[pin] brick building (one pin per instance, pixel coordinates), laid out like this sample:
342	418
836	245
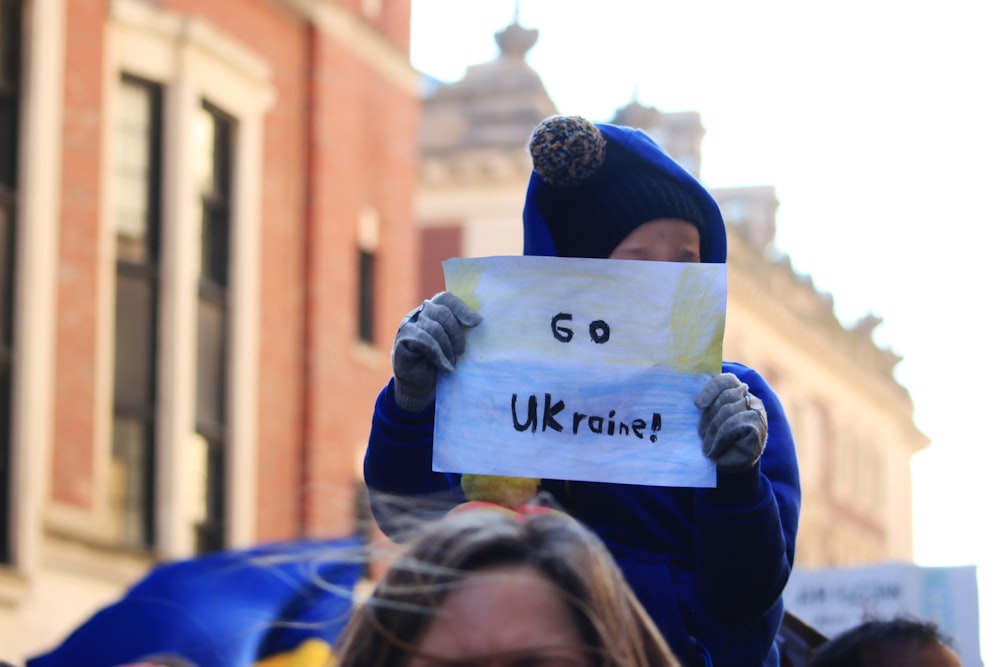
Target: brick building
206	239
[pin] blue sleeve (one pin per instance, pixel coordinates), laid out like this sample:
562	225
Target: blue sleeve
397	466
746	527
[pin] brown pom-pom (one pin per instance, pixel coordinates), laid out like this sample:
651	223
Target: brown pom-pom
567	150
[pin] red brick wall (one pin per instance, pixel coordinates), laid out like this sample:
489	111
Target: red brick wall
282	308
363	148
76	319
393	21
332	214
436	245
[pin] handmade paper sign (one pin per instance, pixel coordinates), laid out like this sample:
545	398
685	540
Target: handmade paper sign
582	369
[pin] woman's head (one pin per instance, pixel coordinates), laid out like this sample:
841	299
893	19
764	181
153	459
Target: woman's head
506	612
881	643
554	582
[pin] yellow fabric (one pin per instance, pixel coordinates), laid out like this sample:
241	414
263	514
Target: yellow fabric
310	653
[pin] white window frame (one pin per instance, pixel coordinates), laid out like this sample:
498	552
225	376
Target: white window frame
194	62
36	266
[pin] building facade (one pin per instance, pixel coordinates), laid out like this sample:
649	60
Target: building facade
212	216
206	239
853	423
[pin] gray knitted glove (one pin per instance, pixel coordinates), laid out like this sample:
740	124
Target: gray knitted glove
733	426
431	337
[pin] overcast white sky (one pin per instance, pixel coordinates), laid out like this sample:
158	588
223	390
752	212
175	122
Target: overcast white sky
878	122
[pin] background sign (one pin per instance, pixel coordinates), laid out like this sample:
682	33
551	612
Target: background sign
582	370
835	599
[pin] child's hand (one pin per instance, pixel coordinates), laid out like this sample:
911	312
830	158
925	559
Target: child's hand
431	337
733	426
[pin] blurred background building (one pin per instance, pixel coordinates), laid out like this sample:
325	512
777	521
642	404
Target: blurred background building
212	217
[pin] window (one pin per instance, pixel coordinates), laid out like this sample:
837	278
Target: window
214	163
810	426
137	231
206	257
368	234
366	296
735	210
10	66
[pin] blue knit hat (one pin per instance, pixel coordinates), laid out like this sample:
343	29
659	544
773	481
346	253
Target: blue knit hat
593	184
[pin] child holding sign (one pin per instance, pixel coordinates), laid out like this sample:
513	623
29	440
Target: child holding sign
709	565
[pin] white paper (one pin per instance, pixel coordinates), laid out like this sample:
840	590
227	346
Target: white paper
582	370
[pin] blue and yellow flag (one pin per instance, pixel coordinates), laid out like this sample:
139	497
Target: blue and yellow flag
277	605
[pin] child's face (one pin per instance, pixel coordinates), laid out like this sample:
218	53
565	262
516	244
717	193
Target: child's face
661	240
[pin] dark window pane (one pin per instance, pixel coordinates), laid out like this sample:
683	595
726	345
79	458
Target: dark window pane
134	341
5	471
10	66
215	132
8	141
366	296
10	73
137	170
216	486
204	157
138	133
132	217
215	243
213	168
211	364
10	43
210	526
130	481
6	278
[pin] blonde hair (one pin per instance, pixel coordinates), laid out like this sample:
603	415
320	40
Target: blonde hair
615	629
